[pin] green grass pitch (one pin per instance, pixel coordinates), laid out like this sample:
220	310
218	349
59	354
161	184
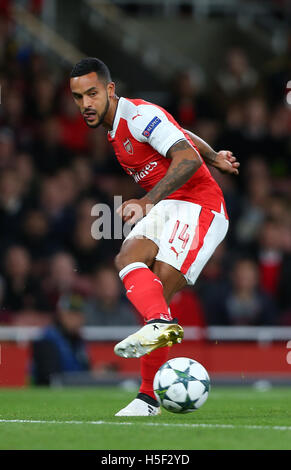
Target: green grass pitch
83	418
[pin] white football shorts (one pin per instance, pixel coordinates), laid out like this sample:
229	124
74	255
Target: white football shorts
187	234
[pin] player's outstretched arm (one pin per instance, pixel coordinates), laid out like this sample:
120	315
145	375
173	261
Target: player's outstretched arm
224	160
185	162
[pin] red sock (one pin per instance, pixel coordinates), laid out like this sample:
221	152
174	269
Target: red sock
145	291
149	365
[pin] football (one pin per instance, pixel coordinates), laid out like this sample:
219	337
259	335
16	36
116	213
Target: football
181	385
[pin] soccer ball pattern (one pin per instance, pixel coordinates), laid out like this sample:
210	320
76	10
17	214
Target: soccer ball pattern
181	385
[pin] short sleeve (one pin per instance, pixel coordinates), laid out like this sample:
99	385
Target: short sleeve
152	126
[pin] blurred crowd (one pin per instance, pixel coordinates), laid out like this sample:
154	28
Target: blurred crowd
53	170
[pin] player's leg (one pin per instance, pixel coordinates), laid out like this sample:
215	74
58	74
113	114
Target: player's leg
145	404
173	281
212	230
206	231
145	290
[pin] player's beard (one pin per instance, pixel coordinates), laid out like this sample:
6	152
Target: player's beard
101	116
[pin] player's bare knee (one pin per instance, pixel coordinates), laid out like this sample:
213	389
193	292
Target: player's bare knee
123	259
133	251
126	257
120	261
173	280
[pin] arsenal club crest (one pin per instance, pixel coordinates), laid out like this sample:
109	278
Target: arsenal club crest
128	146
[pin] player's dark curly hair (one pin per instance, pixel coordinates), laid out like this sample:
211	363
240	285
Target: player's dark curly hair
91	64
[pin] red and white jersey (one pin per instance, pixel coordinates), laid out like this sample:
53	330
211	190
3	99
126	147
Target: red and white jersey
141	136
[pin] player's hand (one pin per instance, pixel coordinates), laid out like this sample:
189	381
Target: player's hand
226	162
134	209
